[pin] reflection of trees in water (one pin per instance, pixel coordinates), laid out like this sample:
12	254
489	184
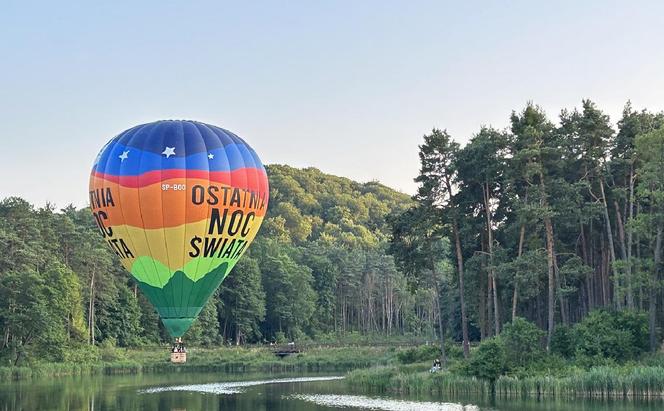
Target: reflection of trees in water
91	393
122	392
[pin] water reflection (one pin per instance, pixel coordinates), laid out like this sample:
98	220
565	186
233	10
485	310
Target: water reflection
259	392
178	391
235	387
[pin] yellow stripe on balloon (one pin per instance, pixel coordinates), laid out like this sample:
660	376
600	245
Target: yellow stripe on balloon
154	255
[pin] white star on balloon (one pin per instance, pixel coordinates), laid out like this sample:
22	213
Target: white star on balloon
168	151
124	155
210	156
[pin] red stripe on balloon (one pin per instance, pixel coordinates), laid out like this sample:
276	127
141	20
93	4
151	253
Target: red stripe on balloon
248	178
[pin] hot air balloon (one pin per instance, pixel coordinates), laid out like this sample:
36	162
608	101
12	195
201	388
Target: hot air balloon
179	202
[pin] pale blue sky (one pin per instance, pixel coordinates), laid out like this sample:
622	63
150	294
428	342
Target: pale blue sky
347	87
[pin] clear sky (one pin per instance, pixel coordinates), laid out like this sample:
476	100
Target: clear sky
347	87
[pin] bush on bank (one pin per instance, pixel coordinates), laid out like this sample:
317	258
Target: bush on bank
603	337
602	356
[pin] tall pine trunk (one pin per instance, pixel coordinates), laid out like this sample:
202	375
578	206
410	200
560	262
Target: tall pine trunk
522	236
622	242
612	250
462	301
630	291
550	257
652	305
462	298
492	274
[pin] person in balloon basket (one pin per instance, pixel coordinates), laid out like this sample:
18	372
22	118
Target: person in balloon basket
179	346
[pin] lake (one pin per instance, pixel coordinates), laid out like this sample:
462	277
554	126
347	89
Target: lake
255	392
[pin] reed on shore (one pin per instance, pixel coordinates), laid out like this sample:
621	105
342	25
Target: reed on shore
596	382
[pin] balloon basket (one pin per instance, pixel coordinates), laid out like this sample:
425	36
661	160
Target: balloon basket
178	357
178	352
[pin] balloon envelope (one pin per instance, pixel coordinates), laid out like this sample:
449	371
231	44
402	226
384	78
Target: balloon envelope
179	202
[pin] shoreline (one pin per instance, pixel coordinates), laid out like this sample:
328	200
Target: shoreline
218	359
372	369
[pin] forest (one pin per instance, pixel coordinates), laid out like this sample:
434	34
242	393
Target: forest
546	221
556	221
319	268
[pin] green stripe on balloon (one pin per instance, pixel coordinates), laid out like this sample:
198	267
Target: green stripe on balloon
147	270
176	316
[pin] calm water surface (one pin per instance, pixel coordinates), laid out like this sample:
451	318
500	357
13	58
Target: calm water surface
255	392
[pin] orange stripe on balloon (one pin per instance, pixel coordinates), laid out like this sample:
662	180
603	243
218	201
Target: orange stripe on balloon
152	207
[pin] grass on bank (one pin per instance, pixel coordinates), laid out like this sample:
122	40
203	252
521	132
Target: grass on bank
112	360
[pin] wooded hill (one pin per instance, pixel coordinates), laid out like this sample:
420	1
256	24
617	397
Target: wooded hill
319	265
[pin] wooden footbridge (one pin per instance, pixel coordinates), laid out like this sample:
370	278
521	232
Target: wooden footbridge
286	350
